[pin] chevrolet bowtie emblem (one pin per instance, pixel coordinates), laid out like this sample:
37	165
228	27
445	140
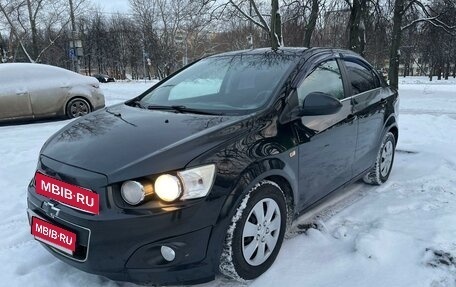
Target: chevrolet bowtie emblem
50	209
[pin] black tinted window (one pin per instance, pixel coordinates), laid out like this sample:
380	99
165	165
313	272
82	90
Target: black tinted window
362	79
326	78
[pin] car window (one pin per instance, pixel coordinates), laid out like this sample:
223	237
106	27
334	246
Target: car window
362	79
206	83
231	84
326	78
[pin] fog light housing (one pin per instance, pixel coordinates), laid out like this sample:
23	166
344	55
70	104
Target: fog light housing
168	253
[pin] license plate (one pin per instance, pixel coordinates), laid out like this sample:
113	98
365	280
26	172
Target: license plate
54	236
72	195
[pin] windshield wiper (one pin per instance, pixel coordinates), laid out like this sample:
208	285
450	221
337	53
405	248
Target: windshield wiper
136	103
182	109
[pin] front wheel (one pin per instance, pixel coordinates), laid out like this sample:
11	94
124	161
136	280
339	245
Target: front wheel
385	157
77	107
256	233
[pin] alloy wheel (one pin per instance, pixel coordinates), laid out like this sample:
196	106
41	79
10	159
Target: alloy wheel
386	158
261	232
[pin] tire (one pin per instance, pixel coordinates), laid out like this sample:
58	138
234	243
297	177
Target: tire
384	162
77	107
246	237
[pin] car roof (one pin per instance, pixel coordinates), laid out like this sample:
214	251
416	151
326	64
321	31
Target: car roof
20	67
298	51
264	51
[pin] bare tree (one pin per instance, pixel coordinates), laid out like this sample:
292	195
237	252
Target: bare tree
357	25
258	17
29	19
427	15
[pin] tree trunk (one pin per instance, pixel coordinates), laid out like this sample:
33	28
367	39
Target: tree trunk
35	49
276	25
90	64
393	73
439	72
356	26
447	70
312	23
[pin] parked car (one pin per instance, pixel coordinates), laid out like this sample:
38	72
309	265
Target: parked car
203	172
104	78
34	91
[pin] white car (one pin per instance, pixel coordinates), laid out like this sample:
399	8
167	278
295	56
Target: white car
34	91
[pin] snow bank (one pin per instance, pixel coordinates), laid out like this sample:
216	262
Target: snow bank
420	96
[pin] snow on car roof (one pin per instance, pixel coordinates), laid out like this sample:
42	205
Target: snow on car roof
21	67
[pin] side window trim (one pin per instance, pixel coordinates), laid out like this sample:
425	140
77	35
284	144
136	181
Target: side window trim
304	71
363	93
345	80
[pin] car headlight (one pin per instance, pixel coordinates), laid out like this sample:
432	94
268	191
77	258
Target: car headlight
197	181
188	184
134	192
168	187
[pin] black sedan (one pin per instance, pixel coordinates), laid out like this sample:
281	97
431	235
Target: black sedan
202	173
104	78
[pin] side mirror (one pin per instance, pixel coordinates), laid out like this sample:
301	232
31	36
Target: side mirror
317	103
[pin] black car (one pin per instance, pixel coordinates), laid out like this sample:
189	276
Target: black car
104	78
203	172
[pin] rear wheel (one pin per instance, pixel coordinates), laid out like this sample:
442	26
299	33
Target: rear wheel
385	157
77	107
256	233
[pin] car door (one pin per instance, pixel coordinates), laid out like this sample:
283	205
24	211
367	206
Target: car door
48	91
14	97
369	104
326	142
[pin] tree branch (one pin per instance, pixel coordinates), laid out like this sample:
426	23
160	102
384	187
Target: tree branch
13	30
249	17
263	21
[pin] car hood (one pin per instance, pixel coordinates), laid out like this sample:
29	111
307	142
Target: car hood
124	142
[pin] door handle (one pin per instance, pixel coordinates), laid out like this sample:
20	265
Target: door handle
351	117
383	102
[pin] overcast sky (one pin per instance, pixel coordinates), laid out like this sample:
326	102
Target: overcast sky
112	5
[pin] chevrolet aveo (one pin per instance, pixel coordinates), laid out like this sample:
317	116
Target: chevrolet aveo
202	173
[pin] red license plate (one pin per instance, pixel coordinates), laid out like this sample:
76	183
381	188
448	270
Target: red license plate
72	195
55	236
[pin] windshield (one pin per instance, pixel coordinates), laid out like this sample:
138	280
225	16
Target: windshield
224	84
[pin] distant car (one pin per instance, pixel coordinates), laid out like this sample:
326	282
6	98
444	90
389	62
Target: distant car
104	78
34	91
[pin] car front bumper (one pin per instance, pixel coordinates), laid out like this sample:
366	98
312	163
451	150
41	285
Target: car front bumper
126	246
97	100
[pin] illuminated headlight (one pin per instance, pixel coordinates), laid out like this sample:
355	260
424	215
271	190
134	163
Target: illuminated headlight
134	192
188	184
168	187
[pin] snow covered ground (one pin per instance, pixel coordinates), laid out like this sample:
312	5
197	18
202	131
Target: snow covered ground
400	234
